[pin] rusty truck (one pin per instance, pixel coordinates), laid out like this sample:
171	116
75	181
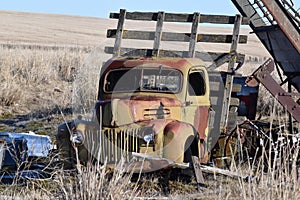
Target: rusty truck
159	108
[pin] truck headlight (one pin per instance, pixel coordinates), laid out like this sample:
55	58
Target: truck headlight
148	138
77	137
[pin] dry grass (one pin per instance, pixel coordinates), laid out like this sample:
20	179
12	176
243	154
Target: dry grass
41	80
32	80
276	178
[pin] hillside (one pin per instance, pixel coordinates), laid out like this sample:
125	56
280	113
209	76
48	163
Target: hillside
66	30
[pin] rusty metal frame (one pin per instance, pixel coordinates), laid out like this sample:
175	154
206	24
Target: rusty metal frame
283	20
247	10
263	75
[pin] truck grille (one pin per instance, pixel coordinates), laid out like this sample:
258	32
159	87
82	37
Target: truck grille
113	144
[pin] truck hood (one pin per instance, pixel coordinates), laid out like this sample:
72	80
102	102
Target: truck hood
119	112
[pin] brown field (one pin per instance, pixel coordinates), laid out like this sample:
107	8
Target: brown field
50	63
63	30
63	45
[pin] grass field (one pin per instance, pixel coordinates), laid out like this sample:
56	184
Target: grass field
50	63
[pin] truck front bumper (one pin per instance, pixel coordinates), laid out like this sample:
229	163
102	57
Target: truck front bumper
142	163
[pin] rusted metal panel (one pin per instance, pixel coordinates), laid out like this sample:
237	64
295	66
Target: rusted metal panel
201	120
263	75
286	24
178	37
172	17
282	40
283	52
247	10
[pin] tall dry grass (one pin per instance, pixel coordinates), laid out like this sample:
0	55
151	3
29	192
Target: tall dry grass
43	79
275	177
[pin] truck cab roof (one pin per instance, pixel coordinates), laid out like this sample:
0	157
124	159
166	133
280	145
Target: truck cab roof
181	64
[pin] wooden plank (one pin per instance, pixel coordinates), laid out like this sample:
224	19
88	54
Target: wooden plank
197	170
193	37
177	17
158	33
221	60
205	56
216	38
222	19
119	32
230	69
209	169
178	37
236	33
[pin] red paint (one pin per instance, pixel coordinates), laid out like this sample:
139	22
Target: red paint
201	120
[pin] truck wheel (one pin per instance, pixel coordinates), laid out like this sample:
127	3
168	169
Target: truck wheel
187	158
64	146
188	173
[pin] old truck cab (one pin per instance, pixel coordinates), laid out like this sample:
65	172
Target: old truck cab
154	107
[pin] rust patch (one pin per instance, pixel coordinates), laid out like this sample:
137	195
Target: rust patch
201	120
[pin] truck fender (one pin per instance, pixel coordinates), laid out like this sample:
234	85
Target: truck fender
180	137
76	136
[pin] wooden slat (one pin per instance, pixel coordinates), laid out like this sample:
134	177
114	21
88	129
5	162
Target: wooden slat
178	37
158	33
174	17
215	38
221	60
197	170
230	69
193	37
205	56
119	32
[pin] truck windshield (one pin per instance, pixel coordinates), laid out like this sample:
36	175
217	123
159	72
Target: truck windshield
160	79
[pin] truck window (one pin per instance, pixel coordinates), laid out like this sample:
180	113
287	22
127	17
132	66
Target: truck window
196	84
122	80
161	80
143	79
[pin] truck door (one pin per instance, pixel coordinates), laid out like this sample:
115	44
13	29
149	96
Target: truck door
197	88
197	100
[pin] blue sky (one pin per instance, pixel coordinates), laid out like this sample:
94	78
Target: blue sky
101	8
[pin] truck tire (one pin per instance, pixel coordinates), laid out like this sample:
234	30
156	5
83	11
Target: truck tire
188	173
66	152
